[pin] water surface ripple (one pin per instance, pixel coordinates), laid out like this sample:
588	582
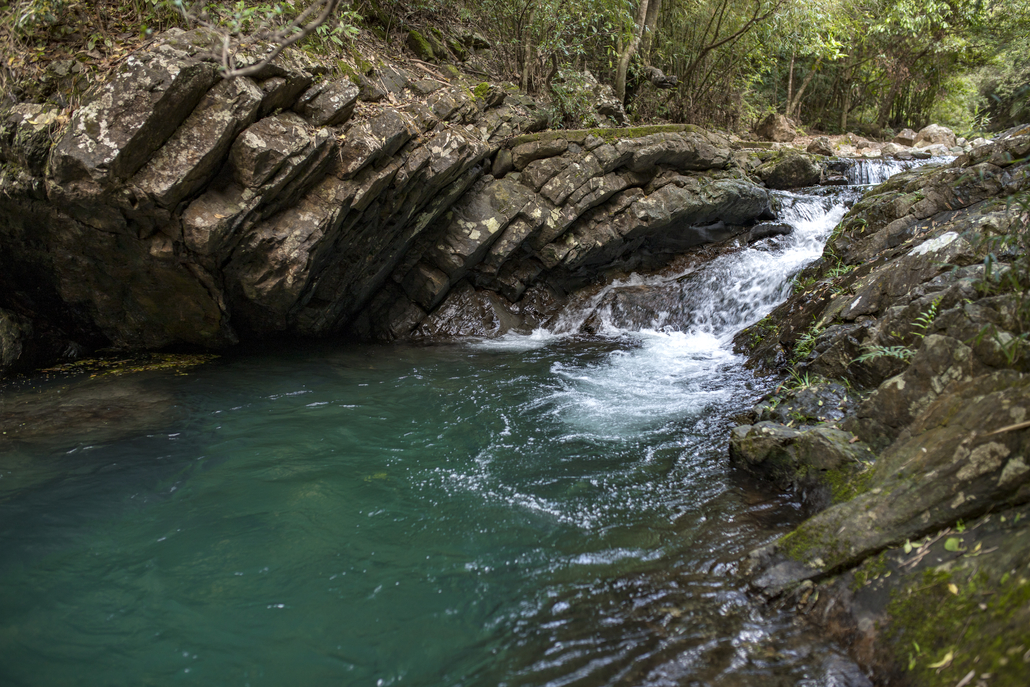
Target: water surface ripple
551	509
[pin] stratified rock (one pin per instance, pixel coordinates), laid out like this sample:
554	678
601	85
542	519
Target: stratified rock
776	127
114	134
197	149
262	150
328	104
523	154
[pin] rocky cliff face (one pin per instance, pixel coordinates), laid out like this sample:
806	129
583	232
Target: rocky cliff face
179	209
905	426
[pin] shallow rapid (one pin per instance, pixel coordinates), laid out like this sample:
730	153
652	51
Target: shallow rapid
545	509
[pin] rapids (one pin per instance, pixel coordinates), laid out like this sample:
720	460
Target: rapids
552	508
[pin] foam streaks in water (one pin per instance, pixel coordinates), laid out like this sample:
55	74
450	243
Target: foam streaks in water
550	509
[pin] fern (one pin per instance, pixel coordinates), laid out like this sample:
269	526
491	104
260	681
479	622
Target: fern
874	352
926	318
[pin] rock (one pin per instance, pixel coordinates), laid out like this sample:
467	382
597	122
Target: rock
373	140
394	79
935	134
819	463
197	148
956	437
502	163
475	41
522	155
262	150
418	44
764	230
790	170
328	104
14	335
114	134
25	135
892	149
776	127
821	146
906	137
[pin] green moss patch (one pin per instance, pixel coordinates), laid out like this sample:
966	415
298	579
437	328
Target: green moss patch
608	135
945	627
123	365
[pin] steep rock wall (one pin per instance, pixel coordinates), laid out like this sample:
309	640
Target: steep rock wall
179	209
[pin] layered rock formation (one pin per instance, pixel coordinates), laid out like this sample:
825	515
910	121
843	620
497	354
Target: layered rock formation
179	209
905	427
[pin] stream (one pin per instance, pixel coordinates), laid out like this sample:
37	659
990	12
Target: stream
545	509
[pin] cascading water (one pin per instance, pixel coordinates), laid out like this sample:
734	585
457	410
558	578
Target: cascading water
550	509
869	172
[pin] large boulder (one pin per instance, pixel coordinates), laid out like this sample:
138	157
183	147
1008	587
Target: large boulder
935	134
790	170
906	137
776	127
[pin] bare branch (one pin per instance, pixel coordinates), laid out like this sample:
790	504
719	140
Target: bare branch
297	30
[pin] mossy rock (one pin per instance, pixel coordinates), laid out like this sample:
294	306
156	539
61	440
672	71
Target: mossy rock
579	136
420	46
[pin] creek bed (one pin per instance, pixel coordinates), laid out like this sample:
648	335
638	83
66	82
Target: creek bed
552	508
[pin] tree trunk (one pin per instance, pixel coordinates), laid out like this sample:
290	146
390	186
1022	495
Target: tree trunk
527	49
628	51
790	84
792	105
650	26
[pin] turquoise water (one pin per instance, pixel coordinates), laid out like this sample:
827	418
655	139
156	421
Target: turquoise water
541	510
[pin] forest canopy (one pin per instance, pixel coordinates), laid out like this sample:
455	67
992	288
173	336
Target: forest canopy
832	65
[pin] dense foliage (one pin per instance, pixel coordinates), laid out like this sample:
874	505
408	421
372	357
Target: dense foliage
832	65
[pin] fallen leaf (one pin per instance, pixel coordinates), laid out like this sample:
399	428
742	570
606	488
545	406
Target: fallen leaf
952	544
944	662
953	589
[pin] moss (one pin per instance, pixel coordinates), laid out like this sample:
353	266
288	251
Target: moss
799	543
608	135
420	46
983	626
845	483
481	91
871	569
117	366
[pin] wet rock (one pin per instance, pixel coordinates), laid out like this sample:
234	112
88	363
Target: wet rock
764	230
820	464
790	170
